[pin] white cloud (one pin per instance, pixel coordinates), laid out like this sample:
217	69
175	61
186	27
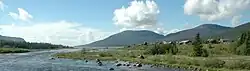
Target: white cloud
236	20
138	15
21	15
173	31
62	32
2	6
216	9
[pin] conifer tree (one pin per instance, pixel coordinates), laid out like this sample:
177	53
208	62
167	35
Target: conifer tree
197	49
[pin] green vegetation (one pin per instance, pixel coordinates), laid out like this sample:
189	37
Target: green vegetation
28	45
243	44
211	57
21	47
198	51
13	50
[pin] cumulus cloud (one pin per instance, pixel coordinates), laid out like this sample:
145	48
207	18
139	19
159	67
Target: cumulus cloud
22	15
236	20
212	10
138	15
2	6
62	32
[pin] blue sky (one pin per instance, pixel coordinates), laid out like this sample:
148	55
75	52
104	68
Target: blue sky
98	15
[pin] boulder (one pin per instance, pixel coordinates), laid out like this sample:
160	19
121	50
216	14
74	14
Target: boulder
52	58
100	63
111	69
134	65
128	64
124	64
138	65
98	60
118	64
116	61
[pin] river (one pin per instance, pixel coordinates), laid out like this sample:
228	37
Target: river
41	61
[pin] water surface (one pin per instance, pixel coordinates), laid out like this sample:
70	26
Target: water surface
41	61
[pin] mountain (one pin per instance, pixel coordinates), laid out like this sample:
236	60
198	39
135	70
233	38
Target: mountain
128	38
234	32
205	30
7	38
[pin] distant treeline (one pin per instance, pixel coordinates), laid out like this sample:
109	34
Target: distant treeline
29	45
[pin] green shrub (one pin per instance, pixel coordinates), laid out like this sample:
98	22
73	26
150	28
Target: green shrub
246	65
173	49
156	49
83	51
210	46
213	63
105	54
204	53
237	64
186	61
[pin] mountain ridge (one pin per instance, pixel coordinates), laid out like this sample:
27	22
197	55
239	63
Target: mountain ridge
135	37
8	38
206	31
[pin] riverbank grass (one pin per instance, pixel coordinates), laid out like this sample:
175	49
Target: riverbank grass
220	58
13	50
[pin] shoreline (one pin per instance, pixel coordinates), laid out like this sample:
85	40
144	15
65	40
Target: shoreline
144	62
220	58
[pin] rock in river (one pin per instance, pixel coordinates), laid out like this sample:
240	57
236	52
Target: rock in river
118	64
100	63
111	69
138	65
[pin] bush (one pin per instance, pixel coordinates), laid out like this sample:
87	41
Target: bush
213	63
173	49
204	53
237	64
156	49
241	50
246	65
105	54
233	64
210	46
83	51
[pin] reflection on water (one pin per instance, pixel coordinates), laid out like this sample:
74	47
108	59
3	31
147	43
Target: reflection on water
40	61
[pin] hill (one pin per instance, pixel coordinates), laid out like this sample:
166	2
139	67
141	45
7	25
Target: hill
7	38
234	32
205	30
128	38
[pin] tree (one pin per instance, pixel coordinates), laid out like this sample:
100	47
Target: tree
173	48
243	44
197	49
248	43
242	39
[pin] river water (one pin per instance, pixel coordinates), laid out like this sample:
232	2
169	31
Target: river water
41	61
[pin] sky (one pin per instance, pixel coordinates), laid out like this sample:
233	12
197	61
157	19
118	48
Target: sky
78	22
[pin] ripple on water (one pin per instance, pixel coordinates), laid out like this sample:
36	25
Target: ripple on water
40	61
